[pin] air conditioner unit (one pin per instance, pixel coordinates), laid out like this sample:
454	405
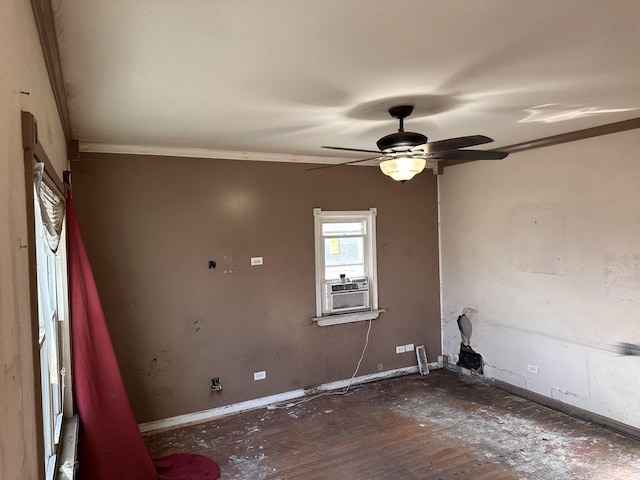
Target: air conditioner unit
349	296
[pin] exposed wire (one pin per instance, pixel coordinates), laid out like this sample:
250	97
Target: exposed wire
366	343
344	391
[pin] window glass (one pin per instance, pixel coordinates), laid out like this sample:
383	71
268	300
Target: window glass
343	228
344	256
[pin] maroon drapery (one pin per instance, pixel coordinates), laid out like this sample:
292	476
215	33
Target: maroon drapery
111	445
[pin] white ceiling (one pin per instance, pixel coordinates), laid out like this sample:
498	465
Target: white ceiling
287	76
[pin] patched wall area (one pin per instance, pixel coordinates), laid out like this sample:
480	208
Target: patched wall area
541	252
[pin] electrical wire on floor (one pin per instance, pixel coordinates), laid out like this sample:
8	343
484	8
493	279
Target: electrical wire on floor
344	391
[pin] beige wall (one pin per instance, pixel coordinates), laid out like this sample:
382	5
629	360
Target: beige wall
22	68
543	250
151	224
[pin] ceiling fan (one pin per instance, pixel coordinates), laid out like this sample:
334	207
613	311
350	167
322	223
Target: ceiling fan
405	154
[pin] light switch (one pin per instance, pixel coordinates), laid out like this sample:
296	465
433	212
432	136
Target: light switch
256	261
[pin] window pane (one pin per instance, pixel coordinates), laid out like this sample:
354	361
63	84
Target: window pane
343	256
343	228
343	251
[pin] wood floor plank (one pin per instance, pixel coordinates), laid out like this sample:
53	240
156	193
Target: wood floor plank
441	427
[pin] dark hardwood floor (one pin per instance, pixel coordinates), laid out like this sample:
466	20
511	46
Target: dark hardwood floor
440	426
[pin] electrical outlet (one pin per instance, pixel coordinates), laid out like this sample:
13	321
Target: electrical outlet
216	386
532	369
259	375
256	261
408	347
400	349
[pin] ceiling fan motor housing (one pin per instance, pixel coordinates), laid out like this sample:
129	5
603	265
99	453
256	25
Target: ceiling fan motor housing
401	111
400	141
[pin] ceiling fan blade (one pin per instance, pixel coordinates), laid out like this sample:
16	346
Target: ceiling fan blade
354	150
340	164
469	155
455	143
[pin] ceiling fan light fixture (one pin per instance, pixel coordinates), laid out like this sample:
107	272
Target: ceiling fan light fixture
402	168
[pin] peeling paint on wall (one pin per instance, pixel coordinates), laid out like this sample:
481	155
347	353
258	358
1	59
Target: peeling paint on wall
622	277
468	357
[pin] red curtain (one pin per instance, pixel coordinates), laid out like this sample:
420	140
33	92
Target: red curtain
111	445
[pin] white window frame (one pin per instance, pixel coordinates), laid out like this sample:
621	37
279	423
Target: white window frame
370	261
53	321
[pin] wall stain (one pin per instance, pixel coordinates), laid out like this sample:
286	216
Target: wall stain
157	365
192	340
165	391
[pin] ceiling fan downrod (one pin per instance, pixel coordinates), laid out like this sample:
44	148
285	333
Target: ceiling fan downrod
400	140
401	112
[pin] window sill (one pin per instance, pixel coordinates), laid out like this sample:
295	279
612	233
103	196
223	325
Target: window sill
348	317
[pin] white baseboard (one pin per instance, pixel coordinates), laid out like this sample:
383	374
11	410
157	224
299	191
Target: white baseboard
218	412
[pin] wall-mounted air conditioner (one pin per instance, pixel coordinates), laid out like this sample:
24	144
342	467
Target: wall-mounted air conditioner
348	296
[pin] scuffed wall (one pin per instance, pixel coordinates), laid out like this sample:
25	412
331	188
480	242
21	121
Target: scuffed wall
542	253
151	225
22	69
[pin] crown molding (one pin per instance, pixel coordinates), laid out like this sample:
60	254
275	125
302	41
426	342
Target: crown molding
574	136
43	15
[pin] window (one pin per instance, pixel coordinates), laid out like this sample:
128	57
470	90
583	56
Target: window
346	276
51	272
49	298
